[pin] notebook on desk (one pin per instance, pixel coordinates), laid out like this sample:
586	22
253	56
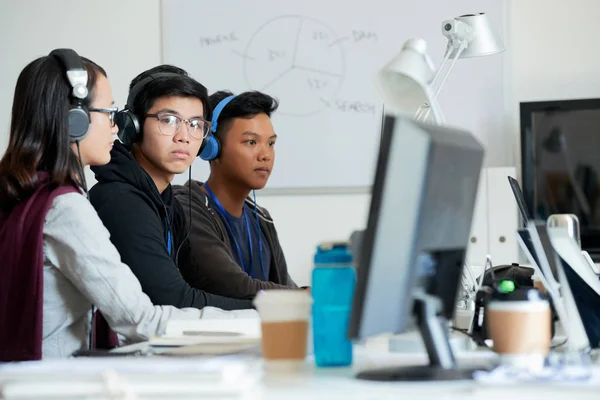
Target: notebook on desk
210	332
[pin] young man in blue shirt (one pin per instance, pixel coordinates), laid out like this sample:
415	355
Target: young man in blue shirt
234	249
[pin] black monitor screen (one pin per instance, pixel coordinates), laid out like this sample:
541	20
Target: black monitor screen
560	154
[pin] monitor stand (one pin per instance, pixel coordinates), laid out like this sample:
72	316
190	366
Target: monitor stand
442	364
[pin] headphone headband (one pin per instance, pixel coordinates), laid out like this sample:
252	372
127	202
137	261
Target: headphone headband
217	111
79	117
130	124
137	88
76	74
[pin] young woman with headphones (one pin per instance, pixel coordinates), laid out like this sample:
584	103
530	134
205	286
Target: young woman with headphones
57	258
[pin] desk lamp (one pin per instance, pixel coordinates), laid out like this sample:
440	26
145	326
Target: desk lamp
410	81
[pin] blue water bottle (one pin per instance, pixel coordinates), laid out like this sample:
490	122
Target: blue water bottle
333	281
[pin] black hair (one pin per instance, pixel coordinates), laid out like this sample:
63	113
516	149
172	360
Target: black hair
165	86
39	131
245	105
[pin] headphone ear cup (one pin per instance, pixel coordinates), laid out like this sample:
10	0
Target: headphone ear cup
129	127
79	123
210	149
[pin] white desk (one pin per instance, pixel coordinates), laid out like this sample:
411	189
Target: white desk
320	383
339	383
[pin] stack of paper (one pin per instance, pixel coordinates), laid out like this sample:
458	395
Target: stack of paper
129	378
565	376
210	336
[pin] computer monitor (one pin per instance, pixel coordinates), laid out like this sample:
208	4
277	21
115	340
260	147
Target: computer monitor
560	166
414	246
575	297
521	203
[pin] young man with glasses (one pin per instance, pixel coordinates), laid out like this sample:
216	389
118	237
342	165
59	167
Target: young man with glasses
161	132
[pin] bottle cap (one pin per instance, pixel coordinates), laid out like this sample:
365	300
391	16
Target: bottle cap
333	253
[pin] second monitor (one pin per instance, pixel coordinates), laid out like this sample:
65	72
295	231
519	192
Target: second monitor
413	250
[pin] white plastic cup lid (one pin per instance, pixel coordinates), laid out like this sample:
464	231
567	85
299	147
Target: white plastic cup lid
519	306
283	305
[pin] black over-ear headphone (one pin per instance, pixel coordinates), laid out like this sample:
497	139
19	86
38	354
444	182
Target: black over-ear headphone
79	116
130	126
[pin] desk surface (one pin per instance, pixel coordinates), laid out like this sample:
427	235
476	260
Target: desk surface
316	383
322	383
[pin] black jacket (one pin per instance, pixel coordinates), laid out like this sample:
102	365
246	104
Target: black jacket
139	219
208	262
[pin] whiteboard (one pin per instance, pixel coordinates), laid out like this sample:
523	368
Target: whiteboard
318	58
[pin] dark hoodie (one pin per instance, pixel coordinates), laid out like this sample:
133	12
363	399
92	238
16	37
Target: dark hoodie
208	263
147	228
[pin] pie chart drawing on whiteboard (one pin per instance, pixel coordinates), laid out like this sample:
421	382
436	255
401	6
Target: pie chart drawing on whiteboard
298	60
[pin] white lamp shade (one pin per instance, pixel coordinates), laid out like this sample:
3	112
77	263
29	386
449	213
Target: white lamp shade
484	41
403	82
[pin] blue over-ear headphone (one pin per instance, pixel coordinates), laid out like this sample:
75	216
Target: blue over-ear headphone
212	146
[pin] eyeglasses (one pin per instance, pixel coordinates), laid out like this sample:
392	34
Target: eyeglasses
169	124
112	111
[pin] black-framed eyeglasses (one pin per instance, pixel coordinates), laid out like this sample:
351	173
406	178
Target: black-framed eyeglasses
112	111
169	124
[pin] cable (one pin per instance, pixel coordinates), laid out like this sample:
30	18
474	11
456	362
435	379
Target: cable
83	183
488	262
82	180
557	345
470	336
469	271
466	333
262	268
187	236
463	331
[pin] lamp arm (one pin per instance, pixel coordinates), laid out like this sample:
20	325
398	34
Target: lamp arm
419	115
439	70
434	107
461	47
420	112
424	113
431	105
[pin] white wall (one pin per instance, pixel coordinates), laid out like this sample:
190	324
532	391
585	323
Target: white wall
551	53
123	36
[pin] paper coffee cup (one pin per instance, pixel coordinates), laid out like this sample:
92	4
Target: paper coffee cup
521	332
284	317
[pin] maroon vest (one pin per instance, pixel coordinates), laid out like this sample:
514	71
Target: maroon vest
22	276
22	273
